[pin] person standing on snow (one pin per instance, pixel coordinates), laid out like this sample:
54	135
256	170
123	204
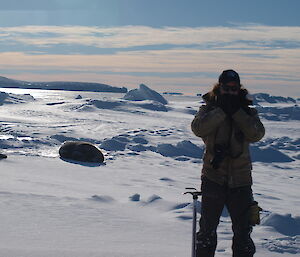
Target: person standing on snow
227	125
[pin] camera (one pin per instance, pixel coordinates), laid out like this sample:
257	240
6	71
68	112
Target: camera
219	155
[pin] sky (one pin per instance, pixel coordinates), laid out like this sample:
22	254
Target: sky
169	45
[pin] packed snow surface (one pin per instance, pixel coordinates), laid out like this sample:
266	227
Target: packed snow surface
132	205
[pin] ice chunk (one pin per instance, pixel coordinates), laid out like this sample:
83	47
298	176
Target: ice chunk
145	93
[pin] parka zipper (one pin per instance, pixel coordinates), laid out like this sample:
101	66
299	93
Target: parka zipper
230	177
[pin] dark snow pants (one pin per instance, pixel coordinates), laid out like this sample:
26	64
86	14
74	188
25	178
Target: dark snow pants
237	200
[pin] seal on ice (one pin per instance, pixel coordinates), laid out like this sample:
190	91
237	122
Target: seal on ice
81	151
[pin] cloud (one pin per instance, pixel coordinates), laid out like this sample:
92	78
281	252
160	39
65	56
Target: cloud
30	5
166	61
133	36
262	54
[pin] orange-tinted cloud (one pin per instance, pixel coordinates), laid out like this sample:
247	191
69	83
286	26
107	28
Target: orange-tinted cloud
264	55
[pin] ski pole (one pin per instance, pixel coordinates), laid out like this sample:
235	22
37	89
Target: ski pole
195	195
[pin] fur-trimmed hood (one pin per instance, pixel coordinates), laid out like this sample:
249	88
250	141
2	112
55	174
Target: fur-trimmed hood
246	98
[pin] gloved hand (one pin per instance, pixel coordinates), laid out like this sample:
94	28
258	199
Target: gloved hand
229	103
254	217
245	98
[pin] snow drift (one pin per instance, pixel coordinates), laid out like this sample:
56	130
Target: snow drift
267	98
6	98
284	224
151	156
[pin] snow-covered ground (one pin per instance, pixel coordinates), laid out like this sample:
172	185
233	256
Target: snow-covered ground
132	205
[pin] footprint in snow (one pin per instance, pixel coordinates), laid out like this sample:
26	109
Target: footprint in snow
135	198
103	198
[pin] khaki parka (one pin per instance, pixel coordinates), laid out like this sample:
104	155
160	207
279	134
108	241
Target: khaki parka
234	134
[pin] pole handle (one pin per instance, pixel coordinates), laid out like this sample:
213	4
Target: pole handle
193	191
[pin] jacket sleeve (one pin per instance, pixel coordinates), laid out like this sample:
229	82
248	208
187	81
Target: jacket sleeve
250	125
207	120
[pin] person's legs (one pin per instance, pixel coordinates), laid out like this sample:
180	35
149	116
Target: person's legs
238	204
213	200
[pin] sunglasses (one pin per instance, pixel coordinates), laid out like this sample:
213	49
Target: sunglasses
227	88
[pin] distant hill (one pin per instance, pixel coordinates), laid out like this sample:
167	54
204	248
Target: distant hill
61	85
